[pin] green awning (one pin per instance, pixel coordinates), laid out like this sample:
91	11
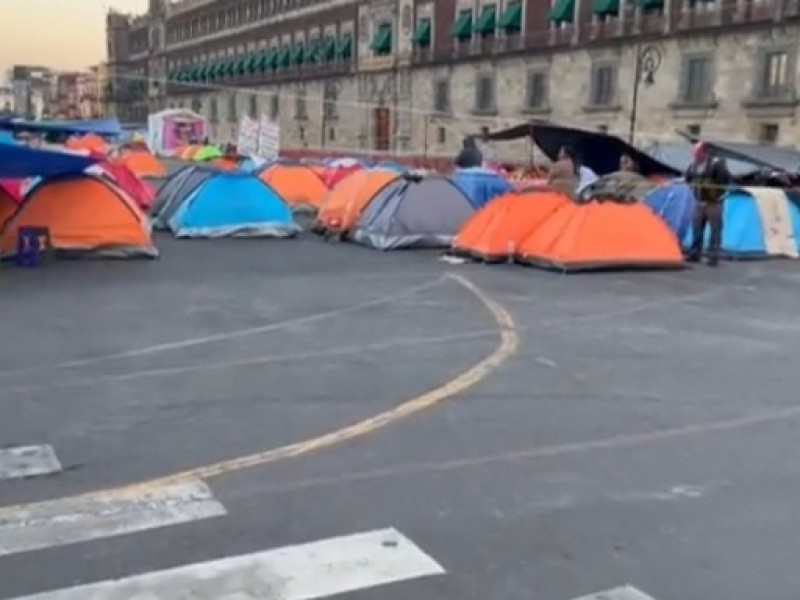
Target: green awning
285	56
328	50
653	4
298	53
462	28
312	51
171	76
422	34
241	65
382	40
487	20
563	11
511	19
604	8
345	49
271	61
202	72
263	61
219	69
251	64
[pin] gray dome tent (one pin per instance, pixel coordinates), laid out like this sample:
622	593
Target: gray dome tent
413	212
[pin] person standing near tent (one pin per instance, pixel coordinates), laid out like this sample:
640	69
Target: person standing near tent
708	177
470	155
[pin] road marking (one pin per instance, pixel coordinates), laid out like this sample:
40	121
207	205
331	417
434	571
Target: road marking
85	518
28	461
304	572
506	348
228	335
625	592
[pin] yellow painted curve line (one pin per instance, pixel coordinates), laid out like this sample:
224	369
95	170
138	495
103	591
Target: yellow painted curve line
507	346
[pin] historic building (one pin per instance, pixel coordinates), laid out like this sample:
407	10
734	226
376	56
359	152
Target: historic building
416	75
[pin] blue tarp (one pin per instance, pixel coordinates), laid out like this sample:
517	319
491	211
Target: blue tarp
743	228
21	162
674	203
480	185
103	127
6	137
233	204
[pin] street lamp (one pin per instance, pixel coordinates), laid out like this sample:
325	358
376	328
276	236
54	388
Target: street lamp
648	61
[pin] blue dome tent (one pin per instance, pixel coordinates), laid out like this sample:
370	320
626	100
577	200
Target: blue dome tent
675	204
230	204
480	185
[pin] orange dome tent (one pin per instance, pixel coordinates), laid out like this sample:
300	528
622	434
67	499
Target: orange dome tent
142	163
344	203
495	232
91	142
602	235
85	215
226	163
298	185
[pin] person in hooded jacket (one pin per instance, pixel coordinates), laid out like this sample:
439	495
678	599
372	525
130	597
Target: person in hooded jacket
708	177
470	155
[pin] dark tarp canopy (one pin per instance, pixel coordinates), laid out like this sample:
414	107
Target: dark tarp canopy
780	158
598	151
21	162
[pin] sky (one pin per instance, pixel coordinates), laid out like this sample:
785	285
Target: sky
62	34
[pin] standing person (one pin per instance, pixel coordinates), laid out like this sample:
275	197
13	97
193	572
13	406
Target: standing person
470	155
708	176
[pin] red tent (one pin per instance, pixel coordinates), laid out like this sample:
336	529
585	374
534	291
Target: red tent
13	188
141	192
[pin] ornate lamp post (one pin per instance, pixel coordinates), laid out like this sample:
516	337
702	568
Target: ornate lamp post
648	61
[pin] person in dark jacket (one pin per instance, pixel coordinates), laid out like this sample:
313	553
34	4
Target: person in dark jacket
708	176
470	155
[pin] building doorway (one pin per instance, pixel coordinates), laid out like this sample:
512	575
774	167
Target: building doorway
382	132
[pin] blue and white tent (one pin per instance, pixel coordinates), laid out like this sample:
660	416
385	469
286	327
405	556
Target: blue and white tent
480	185
231	204
759	223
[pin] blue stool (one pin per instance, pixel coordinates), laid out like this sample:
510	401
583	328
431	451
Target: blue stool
32	244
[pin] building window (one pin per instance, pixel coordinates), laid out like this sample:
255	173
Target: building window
536	92
232	107
300	106
775	80
441	96
603	85
331	99
213	110
441	135
253	106
332	134
697	80
484	93
694	129
768	133
275	107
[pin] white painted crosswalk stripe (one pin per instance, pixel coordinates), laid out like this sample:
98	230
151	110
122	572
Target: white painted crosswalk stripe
28	461
625	592
94	516
304	572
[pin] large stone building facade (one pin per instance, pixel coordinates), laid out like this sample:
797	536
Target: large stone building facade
415	76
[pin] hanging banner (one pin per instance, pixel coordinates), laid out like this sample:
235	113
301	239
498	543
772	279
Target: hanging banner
248	139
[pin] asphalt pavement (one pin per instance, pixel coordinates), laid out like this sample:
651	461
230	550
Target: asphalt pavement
494	432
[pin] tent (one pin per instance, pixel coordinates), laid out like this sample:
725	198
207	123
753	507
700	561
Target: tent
674	203
601	235
143	163
8	204
344	203
177	187
21	162
230	204
495	232
413	212
122	176
480	185
207	153
299	185
90	142
86	216
759	223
